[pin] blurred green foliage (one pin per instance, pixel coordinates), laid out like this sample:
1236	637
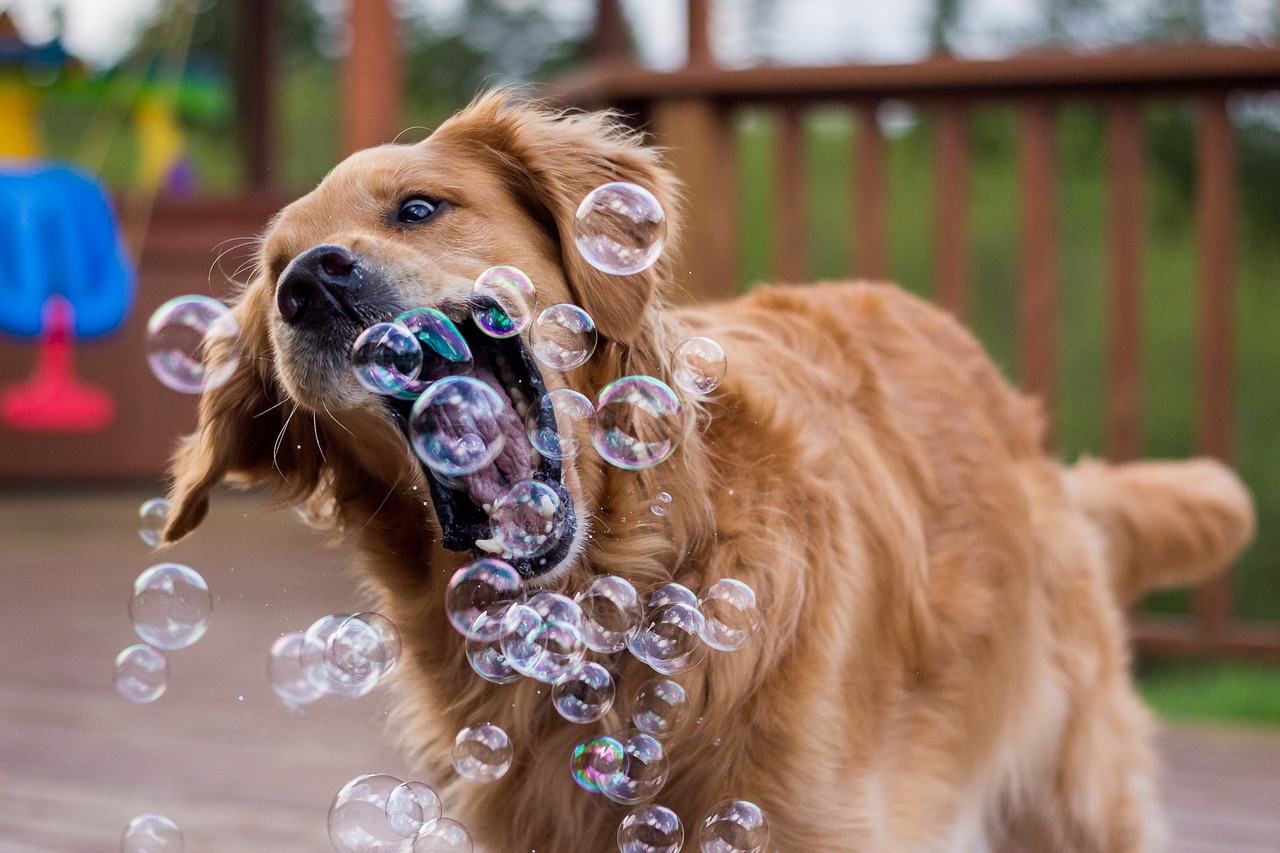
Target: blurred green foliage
1190	691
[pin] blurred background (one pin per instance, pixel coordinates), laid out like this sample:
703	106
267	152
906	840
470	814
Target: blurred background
1093	185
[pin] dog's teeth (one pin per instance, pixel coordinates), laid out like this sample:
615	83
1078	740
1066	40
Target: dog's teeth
490	545
488	508
522	409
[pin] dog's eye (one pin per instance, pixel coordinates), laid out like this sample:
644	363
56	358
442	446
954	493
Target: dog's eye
416	210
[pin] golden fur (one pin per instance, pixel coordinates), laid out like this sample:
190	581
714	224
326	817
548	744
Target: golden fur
943	662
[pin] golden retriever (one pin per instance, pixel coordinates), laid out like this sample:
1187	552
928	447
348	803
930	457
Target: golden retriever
943	663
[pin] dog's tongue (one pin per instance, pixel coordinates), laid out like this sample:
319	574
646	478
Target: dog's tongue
513	464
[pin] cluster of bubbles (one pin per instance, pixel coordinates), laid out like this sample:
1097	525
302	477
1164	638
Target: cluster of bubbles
151	833
733	826
377	813
193	343
170	609
344	655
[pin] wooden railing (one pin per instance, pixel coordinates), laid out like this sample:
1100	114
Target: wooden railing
692	111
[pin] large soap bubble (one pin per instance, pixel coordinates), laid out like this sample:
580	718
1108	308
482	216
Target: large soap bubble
193	343
454	426
620	228
734	826
358	818
730	614
482	753
477	597
386	358
645	773
556	420
650	829
638	422
699	365
610	613
171	606
585	694
563	337
502	301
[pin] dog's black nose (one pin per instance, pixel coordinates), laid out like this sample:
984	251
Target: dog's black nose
318	285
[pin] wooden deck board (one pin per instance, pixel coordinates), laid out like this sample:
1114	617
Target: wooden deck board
77	761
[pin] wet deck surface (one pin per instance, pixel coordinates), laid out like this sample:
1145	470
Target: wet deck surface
223	758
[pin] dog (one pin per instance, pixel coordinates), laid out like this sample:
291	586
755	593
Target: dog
943	660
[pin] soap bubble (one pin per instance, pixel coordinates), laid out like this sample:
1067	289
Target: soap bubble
482	753
385	358
411	806
193	343
545	651
585	694
699	365
488	662
610	613
343	655
597	761
454	426
734	826
668	638
152	515
620	228
151	833
444	836
645	773
142	674
563	337
171	605
660	708
650	829
673	593
554	607
637	422
445	351
477	598
358	818
661	504
287	674
730	615
365	645
556	420
526	519
502	301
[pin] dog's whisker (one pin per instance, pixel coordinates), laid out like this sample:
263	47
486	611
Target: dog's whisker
385	498
334	418
275	451
315	428
270	409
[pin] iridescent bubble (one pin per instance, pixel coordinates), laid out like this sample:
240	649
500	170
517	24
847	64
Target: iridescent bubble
151	517
585	694
488	662
171	605
650	829
444	836
660	708
524	519
734	826
482	753
386	357
454	426
673	593
556	421
445	351
597	761
365	646
502	301
699	365
637	422
477	597
661	504
645	773
320	666
554	607
151	833
563	337
193	343
730	614
544	651
286	672
358	819
668	638
142	674
518	648
412	806
620	228
610	613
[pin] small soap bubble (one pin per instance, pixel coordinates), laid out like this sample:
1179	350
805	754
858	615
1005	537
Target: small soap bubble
650	829
193	343
444	836
412	806
620	228
660	708
548	652
673	593
445	351
519	623
152	515
287	674
478	596
358	818
526	519
730	614
482	753
556	421
699	365
151	833
610	613
668	639
386	357
585	694
365	646
597	761
502	301
734	826
488	662
319	661
637	422
554	607
645	772
563	337
171	605
661	504
142	674
454	426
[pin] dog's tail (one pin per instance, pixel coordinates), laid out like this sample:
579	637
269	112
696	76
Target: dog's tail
1164	523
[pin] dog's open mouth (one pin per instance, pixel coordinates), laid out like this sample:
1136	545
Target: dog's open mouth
464	504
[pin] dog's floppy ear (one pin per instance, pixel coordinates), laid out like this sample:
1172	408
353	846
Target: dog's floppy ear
554	160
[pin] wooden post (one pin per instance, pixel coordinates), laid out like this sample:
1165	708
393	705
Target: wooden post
951	206
1038	305
790	252
870	203
371	76
699	33
1125	229
610	41
256	89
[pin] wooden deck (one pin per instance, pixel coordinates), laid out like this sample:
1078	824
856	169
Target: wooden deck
220	756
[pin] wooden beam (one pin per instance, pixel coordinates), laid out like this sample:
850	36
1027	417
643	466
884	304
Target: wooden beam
1038	302
257	22
790	248
1126	230
951	208
372	84
871	201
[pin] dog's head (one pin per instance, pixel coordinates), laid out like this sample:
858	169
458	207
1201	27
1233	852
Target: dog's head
401	227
